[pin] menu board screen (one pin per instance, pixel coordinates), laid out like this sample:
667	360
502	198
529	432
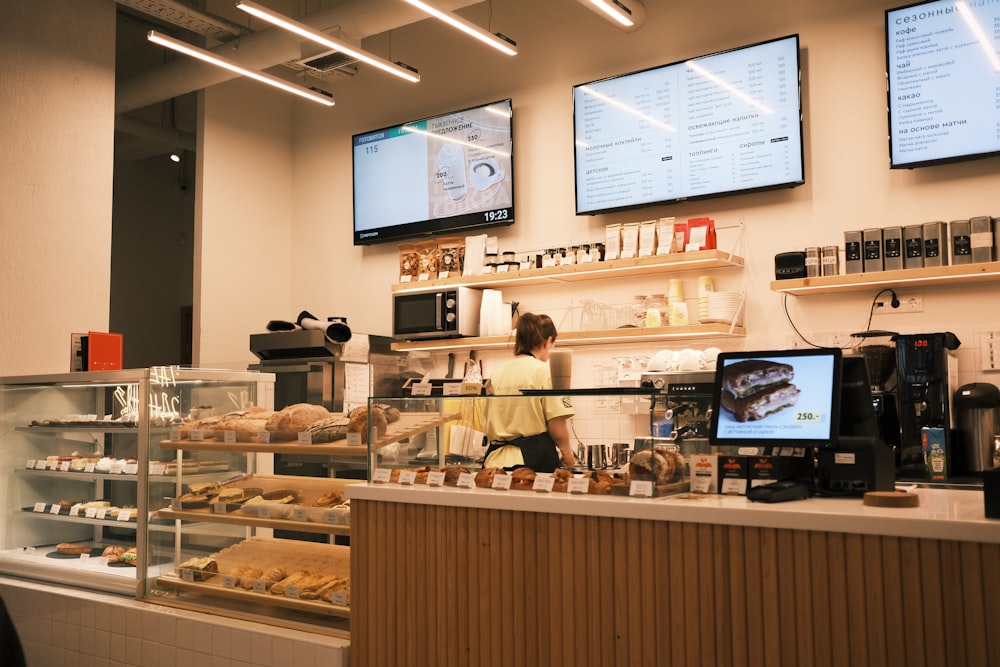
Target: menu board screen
943	81
716	125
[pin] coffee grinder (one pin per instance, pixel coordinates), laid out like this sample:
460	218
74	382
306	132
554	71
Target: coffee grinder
879	350
927	368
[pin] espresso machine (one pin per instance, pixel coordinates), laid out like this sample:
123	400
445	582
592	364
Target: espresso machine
927	372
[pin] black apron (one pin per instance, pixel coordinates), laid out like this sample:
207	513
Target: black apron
539	451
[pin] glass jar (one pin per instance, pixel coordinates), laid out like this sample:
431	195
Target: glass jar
639	310
657	311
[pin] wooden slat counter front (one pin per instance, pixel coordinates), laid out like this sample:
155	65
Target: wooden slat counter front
446	576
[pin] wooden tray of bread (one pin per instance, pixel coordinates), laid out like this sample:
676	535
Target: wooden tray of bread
309	510
411	424
295	558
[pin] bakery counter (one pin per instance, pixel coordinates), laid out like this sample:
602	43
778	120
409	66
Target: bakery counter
482	576
942	513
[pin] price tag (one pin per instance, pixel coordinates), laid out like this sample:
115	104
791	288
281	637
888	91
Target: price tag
90	513
229	437
407	477
381	476
525	266
339	598
90	467
84	556
229	581
264	436
354	439
40	507
331	516
220	508
131	469
40	464
501	482
444	274
64	466
176	505
175	434
305	438
124	515
54	509
578	485
502	268
187	575
641	489
196	434
259	586
116	468
471	388
701	483
435	478
421	389
451	389
292	592
101	513
30	464
299	514
405	278
586	259
423	276
264	512
748	451
466	480
75	510
543	483
346	517
54	466
157	469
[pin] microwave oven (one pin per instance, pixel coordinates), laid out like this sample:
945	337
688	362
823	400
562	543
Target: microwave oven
442	313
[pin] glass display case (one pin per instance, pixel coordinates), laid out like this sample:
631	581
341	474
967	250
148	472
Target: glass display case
85	472
622	439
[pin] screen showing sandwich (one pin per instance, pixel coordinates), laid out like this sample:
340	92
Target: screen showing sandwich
777	398
719	124
943	76
438	175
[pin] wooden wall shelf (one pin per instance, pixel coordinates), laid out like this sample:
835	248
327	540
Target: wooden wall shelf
959	274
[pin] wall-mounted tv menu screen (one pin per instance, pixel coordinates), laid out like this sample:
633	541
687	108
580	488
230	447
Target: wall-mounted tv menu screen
433	176
720	124
943	76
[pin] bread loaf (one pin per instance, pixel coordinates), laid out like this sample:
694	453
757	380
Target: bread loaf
73	549
329	429
359	418
291	420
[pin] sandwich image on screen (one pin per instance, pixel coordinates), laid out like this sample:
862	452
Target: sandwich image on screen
757	388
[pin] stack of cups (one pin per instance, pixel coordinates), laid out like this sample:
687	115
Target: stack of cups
705	287
675	300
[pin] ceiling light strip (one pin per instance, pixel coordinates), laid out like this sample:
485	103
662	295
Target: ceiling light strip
498	42
225	63
302	30
615	11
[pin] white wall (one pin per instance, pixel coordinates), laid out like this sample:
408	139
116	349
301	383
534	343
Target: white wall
848	182
57	137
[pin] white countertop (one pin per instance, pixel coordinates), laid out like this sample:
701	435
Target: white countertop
943	513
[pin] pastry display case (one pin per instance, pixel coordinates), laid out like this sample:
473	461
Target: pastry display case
85	472
440	441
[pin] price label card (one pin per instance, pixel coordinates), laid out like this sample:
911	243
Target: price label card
292	592
157	469
502	268
381	476
354	439
501	482
305	438
40	507
421	389
196	434
54	509
30	464
435	478
407	477
40	464
54	465
331	516
131	469
228	581
229	437
259	586
90	513
452	389
220	508
84	556
471	388
466	480
444	274
264	436
701	483
578	485
187	575
406	278
543	483
74	510
117	468
748	451
300	514
90	467
175	505
339	598
101	513
64	466
264	512
175	434
641	489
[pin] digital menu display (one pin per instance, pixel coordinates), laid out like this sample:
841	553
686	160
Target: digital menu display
436	175
943	76
716	125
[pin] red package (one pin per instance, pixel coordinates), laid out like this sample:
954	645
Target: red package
700	234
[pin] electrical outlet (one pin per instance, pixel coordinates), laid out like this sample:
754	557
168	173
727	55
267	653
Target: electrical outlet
908	303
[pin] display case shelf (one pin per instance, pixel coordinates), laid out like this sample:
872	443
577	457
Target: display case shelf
701	260
959	274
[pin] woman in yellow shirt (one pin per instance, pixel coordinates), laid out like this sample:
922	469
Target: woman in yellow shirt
533	433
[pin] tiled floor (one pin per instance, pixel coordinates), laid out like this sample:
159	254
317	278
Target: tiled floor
60	627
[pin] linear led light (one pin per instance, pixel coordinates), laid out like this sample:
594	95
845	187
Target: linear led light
302	30
977	30
629	14
498	42
209	57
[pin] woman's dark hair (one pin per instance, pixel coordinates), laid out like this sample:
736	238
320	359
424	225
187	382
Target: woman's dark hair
532	332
